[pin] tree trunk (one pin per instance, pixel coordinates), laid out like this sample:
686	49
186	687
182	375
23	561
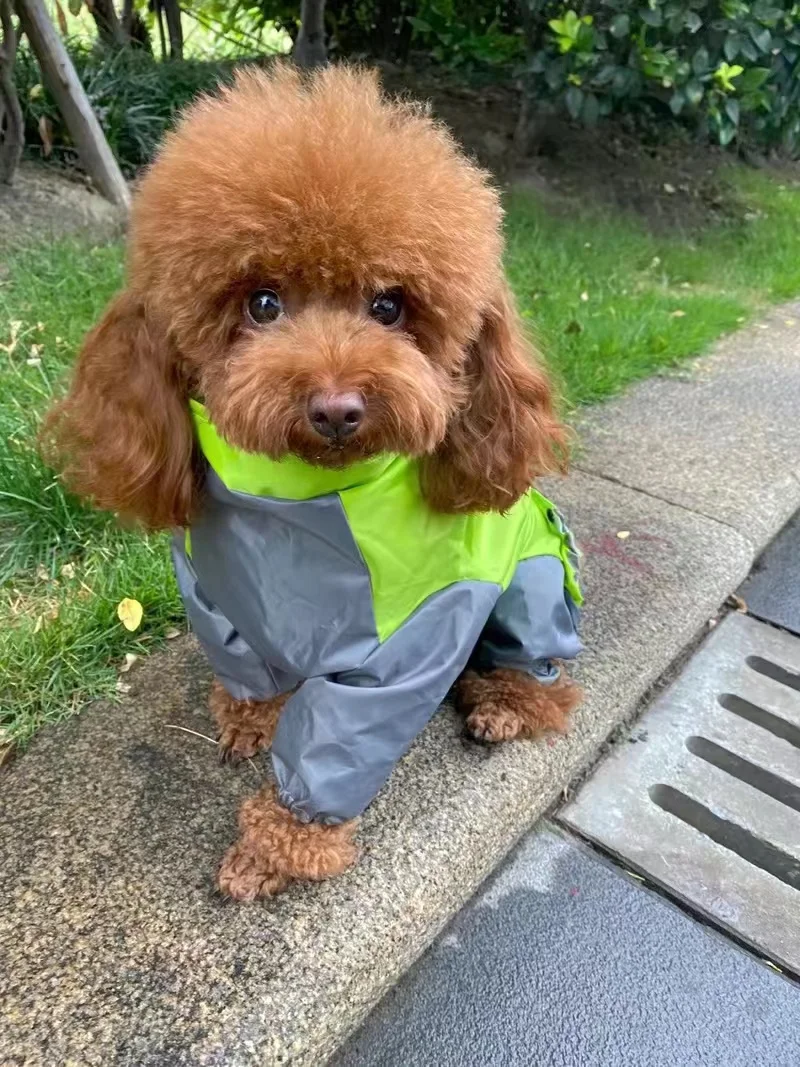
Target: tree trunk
12	125
159	14
109	28
172	10
64	84
309	48
134	28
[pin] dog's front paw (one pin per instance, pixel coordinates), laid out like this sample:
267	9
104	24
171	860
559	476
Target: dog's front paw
245	726
239	742
246	873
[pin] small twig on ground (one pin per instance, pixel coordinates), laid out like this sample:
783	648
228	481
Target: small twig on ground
205	737
194	733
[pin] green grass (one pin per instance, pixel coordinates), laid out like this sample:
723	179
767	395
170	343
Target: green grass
609	301
63	567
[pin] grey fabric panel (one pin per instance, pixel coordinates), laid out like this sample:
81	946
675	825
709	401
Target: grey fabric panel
291	574
241	671
339	738
533	622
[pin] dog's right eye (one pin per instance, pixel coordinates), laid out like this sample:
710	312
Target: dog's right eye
264	306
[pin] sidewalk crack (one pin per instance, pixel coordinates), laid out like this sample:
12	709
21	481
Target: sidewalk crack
664	500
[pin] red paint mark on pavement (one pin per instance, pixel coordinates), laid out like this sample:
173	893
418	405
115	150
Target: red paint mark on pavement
610	546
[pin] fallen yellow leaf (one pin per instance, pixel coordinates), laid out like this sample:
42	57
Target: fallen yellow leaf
130	613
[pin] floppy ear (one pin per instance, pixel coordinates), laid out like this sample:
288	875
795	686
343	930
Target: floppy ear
507	434
122	436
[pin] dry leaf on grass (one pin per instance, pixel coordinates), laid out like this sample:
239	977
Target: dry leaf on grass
15	326
129	613
130	659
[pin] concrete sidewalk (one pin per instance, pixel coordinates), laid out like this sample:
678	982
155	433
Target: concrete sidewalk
113	824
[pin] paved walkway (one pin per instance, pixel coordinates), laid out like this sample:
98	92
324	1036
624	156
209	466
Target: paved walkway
564	959
114	823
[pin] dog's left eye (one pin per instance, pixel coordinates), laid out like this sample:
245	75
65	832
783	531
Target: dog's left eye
264	306
386	308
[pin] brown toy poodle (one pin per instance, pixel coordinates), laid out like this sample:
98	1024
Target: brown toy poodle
316	374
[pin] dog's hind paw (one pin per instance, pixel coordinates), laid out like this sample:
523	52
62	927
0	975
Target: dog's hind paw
507	704
246	874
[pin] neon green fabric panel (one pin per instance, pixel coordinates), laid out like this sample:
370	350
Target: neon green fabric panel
289	478
410	551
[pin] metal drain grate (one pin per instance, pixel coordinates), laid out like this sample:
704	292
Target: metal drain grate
706	797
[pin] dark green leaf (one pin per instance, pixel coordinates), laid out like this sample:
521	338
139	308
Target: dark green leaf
752	79
650	17
693	22
677	100
700	61
574	100
604	76
620	26
731	46
762	38
621	81
732	110
727	132
748	49
694	92
590	111
537	64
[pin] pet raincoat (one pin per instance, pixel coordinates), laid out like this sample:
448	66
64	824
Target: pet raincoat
344	585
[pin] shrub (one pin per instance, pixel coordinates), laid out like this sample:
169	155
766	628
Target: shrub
135	98
728	68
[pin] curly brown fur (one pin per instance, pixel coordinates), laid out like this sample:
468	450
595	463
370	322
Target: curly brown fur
245	726
505	705
329	193
275	849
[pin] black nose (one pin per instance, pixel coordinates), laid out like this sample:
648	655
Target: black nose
336	415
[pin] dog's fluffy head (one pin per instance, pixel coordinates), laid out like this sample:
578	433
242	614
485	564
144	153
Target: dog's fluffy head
332	200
